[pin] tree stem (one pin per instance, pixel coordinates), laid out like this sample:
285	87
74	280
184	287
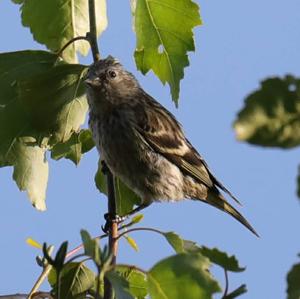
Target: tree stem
112	211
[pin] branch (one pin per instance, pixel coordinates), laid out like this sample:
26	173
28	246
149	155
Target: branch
113	226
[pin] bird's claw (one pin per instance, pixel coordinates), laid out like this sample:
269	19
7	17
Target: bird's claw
109	218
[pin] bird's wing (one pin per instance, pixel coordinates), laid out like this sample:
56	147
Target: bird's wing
159	128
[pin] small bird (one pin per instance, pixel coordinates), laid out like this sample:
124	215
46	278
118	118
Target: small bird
144	145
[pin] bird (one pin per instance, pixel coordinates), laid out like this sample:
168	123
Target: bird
144	145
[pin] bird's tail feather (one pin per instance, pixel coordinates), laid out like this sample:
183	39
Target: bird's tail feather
216	199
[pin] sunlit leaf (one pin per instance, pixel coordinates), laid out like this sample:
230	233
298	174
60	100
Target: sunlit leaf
42	102
33	243
293	282
137	219
271	114
55	22
182	276
125	198
132	243
163	37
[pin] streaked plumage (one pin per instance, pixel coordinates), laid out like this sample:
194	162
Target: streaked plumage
144	145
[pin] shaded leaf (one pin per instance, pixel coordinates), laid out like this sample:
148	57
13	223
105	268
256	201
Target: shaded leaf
36	112
271	116
86	139
229	263
182	276
78	144
125	198
55	22
236	293
60	256
293	282
163	37
136	280
214	255
120	285
75	280
91	247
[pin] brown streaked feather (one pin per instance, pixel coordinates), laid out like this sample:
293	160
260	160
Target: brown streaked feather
164	134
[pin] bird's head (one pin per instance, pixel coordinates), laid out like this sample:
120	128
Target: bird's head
107	80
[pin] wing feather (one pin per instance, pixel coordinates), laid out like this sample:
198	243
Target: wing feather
159	128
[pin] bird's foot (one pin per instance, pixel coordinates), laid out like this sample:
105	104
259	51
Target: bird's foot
109	218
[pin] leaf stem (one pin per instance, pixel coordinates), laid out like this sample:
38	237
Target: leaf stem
70	42
226	284
140	229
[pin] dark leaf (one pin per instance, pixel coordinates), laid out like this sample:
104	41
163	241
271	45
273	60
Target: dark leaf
293	282
271	116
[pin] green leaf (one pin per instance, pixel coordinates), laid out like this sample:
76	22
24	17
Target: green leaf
136	280
236	293
182	276
271	116
120	285
125	198
60	256
75	280
214	255
180	245
55	22
78	144
229	263
86	140
42	102
132	243
163	37
293	282
91	247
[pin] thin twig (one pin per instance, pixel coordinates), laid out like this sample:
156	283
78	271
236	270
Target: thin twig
140	229
70	42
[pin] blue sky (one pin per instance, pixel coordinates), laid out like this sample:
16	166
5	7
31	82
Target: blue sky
240	43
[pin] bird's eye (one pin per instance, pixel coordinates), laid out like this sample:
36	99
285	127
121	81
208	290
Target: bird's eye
112	74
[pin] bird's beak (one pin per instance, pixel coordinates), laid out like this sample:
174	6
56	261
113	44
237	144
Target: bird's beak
92	82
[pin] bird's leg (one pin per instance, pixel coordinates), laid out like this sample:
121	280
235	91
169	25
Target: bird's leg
111	219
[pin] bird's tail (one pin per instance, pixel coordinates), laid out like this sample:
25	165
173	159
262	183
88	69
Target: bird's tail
216	199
